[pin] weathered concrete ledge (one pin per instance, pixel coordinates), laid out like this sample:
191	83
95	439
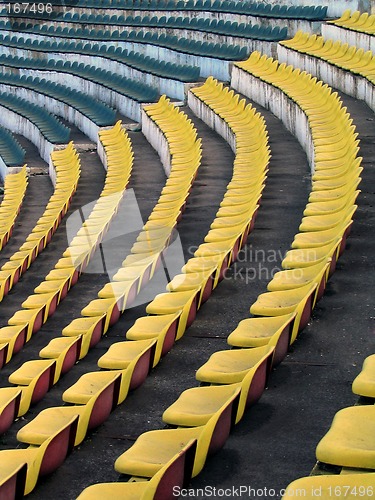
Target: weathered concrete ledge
170	86
213	120
360	40
56	107
284	108
101	151
293	25
21	125
335	8
125	105
158	141
350	83
190	34
6	170
218	68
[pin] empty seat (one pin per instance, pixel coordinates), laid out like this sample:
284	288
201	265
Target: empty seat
347	486
364	383
46	451
350	442
174	474
154	449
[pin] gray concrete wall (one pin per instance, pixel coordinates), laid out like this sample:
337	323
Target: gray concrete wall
6	170
209	65
169	86
101	151
264	46
125	105
212	119
293	25
272	98
21	125
51	171
353	85
335	7
360	40
3	169
158	141
55	107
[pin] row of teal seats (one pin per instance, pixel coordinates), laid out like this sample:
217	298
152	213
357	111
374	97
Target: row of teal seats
50	126
181	72
11	150
203	49
135	90
259	9
195	47
220	27
98	112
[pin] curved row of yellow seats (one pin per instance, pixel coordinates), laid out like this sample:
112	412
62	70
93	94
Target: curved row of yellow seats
328	215
66	164
171	314
95	397
233	222
285	309
14	191
365	22
350	58
35	377
146	253
349	444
